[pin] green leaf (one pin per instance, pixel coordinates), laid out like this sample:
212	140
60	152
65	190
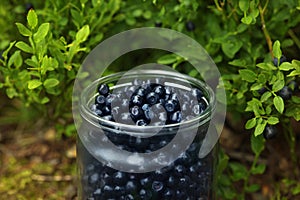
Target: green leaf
276	50
32	63
24	47
278	85
15	59
41	32
279	104
260	127
83	34
247	20
265	96
32	84
238	171
238	62
167	59
266	66
51	82
250	123
256	86
32	19
45	100
252	188
244	5
247	75
257	144
296	190
23	30
231	47
259	169
11	93
5	53
273	120
285	66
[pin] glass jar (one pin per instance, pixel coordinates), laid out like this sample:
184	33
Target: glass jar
125	161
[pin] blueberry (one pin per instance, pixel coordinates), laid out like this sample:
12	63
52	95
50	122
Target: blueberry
179	170
294	85
110	98
100	100
141	92
197	93
286	93
168	194
131	186
184	159
180	194
145	181
28	6
168	90
184	181
282	59
103	89
108	118
152	98
170	106
157	186
129	197
136	100
270	132
171	181
115	111
158	24
160	90
136	113
94	178
176	117
262	90
119	178
199	108
125	118
108	191
145	194
190	26
119	190
141	122
94	108
106	110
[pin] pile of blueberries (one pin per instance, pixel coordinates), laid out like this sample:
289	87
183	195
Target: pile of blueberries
148	104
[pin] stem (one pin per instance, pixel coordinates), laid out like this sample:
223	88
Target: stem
292	143
264	29
294	37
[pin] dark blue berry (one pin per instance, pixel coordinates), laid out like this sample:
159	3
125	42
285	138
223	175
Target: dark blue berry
168	194
145	194
119	190
190	26
141	122
179	170
136	100
152	98
100	100
198	94
136	113
145	181
270	131
110	98
158	24
157	186
94	108
286	93
129	197
262	90
108	191
294	86
141	92
108	118
176	117
28	6
94	178
170	106
160	90
184	181
282	59
131	186
171	181
106	110
103	89
119	178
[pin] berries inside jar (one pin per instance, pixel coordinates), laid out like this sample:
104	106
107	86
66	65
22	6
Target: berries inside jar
149	104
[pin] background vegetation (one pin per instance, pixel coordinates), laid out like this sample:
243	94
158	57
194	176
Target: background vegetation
255	44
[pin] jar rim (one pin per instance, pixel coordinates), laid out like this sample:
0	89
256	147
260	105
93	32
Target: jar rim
87	113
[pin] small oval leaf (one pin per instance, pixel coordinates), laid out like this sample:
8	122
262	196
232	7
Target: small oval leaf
32	84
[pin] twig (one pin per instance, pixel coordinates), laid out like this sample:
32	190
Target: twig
294	38
264	29
245	156
44	178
